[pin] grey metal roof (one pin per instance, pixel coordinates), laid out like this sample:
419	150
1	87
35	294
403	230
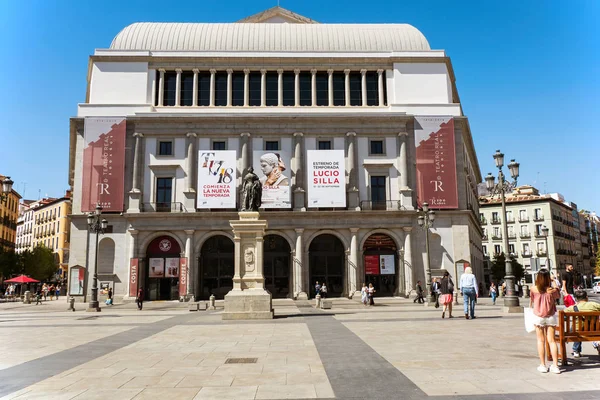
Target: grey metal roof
270	37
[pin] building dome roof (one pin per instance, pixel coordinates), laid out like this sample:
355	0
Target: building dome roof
270	37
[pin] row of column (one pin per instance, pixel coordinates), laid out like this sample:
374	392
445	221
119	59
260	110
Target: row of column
300	272
298	168
263	86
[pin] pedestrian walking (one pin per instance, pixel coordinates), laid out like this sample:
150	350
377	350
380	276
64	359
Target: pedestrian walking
371	294
447	294
493	292
543	301
140	299
51	291
568	283
324	290
38	296
419	297
364	294
317	289
57	291
470	291
109	301
435	291
45	291
583	304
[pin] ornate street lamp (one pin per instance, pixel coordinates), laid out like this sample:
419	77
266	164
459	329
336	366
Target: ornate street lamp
7	185
425	220
545	232
95	225
501	188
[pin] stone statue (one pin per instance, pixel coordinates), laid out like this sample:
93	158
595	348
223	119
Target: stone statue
252	191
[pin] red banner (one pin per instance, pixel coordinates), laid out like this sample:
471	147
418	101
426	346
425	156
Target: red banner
183	276
436	162
372	265
103	164
133	276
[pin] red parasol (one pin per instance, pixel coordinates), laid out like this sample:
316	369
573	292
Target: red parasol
21	279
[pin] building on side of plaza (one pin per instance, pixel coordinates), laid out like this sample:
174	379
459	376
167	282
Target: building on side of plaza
350	128
589	225
527	213
9	213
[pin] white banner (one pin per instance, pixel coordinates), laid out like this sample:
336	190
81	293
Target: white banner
326	178
272	168
216	179
387	264
172	268
156	268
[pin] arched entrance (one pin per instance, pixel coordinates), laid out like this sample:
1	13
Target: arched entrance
277	265
162	273
326	264
381	264
216	267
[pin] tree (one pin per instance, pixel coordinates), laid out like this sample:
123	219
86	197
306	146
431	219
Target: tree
597	269
499	268
39	264
9	263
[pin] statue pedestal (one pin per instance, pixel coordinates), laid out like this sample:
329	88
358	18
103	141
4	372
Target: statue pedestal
248	299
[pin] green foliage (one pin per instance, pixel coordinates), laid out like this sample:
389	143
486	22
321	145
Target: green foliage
39	264
499	268
597	269
9	262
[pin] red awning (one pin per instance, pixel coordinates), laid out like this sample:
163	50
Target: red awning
21	279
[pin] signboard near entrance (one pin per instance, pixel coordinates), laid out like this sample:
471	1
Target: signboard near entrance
326	178
172	268
183	270
156	268
387	264
133	276
76	281
372	265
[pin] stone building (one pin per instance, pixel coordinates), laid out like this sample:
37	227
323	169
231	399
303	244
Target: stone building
9	212
351	127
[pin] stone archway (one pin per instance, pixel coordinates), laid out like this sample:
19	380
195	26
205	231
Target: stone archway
327	263
381	263
216	267
277	265
161	274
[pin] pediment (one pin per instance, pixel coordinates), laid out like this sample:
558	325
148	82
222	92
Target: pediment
277	15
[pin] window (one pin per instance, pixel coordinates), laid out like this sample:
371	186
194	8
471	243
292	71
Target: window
204	88
525	247
509	216
541	247
170	86
355	89
219	145
339	89
165	148
376	147
187	88
495	217
221	89
511	248
378	195
164	188
272	145
538	214
237	89
305	88
272	87
538	230
289	86
372	79
58	227
322	86
59	213
484	249
511	231
497	249
497	232
254	95
324	144
524	230
523	215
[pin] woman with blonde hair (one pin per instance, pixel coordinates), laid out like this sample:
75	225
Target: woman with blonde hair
543	301
470	291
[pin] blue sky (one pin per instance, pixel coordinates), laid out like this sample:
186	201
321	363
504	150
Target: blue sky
528	75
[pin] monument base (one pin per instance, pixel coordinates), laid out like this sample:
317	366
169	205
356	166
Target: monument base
248	304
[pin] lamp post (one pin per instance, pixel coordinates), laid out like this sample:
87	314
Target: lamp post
95	225
425	220
7	184
545	232
511	299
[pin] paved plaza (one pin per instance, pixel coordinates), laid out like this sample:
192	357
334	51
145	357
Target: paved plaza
395	350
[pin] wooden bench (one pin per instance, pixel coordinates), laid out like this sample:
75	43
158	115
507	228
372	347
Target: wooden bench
575	327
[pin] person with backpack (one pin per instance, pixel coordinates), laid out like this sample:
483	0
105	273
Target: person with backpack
447	294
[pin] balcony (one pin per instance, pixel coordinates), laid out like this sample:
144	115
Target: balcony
510	220
484	237
496	221
496	237
383	205
483	221
525	235
163	207
526	253
496	255
523	219
539	235
542	253
538	217
512	236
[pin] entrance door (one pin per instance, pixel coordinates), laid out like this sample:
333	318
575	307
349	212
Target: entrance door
217	267
326	264
277	266
161	271
381	264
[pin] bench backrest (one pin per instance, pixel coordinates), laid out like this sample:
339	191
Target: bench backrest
579	324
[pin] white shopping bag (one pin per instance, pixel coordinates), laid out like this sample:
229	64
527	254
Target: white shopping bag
528	313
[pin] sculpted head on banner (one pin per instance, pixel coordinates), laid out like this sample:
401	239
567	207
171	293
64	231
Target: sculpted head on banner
272	167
